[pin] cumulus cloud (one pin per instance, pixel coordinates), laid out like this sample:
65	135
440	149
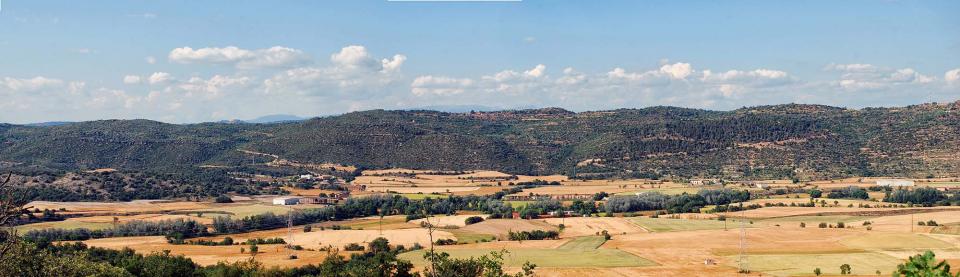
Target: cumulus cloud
159	78
31	84
861	77
131	79
439	85
277	56
352	68
952	77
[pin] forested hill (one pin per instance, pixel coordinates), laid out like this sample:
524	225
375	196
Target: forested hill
803	141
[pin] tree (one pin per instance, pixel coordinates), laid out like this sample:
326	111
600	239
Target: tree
11	207
817	271
845	269
379	245
490	265
923	265
254	249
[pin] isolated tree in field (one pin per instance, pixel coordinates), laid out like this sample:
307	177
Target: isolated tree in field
845	269
816	271
254	249
924	265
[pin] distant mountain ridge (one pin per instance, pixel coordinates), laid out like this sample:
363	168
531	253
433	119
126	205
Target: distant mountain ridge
778	141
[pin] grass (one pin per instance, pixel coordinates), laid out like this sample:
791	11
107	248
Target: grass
374	224
829	264
241	210
519	204
66	224
814	219
421	196
667	191
470	237
584	243
547	257
674	225
894	241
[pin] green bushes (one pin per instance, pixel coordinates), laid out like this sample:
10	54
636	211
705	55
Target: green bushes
533	235
473	220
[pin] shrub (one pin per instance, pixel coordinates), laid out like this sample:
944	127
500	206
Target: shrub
307	228
353	247
841	225
223	199
445	242
473	220
803	225
822	225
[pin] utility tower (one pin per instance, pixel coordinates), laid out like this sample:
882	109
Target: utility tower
742	259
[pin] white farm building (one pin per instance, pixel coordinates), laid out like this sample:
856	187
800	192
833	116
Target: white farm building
895	183
288	200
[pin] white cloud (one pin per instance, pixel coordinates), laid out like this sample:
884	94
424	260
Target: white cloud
160	78
536	72
394	64
131	79
32	84
952	77
276	56
677	70
439	85
861	77
150	60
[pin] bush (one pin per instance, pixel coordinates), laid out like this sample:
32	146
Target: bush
223	199
841	225
473	220
822	225
445	242
803	225
307	228
932	223
353	247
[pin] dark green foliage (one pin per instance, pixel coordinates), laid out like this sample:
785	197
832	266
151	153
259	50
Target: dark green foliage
825	142
924	196
533	235
924	265
173	229
473	220
361	207
490	265
851	192
223	199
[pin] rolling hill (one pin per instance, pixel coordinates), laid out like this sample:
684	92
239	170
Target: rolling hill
782	141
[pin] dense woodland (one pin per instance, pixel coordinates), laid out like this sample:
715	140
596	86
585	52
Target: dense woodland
782	141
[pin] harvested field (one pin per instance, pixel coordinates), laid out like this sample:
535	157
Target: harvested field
446	220
579	254
103	222
894	241
271	255
500	227
590	226
112	208
339	238
829	264
675	225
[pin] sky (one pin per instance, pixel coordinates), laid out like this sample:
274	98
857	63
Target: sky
200	61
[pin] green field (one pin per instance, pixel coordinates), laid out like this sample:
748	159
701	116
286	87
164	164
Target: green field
667	191
66	224
584	243
896	241
421	196
829	264
519	204
470	237
674	225
240	210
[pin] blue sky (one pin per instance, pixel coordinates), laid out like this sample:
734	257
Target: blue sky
192	61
